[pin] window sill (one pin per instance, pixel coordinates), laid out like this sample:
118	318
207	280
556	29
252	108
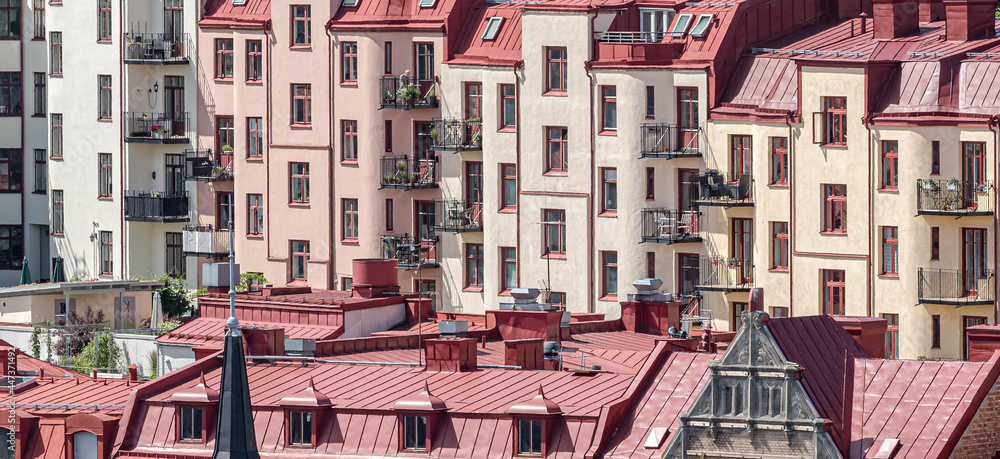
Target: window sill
507	129
104	120
555	256
255	82
556	173
889	189
58	233
935	173
304	205
105	198
300	125
650	117
507	210
613	297
504	292
59	75
650	199
38	39
301	46
833	233
349	240
297	283
349	84
889	276
609	132
348	162
104	40
833	145
778	270
255	159
473	289
223	79
555	93
38	115
258	236
56	158
778	185
608	214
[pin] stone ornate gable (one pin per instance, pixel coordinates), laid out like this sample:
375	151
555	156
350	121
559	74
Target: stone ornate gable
752	405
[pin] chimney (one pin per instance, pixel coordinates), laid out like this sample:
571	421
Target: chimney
895	18
451	354
525	353
967	20
374	277
133	373
984	340
651	311
869	332
8	362
931	10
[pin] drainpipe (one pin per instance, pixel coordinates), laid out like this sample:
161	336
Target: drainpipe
591	226
994	120
331	272
517	166
24	112
791	213
121	147
267	149
871	213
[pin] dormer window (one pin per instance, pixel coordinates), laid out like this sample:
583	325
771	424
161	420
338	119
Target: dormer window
415	433
417	415
300	431
533	421
492	27
681	26
303	412
193	404
529	437
701	26
655	22
191	423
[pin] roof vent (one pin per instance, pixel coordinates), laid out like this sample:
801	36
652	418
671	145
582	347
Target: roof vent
524	300
648	290
453	328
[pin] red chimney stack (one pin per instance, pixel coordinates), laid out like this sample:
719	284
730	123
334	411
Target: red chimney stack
967	20
931	10
895	18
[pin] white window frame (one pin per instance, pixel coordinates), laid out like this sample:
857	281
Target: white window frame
492	27
681	24
659	21
350	3
427	3
701	25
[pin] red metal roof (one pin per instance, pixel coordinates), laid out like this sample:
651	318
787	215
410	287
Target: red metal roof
404	14
73	395
503	49
226	13
205	330
765	82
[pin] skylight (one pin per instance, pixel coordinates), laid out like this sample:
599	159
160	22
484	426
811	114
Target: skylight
350	3
239	2
492	27
701	26
426	3
681	26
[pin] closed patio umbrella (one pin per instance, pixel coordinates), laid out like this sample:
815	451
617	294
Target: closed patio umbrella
25	272
58	275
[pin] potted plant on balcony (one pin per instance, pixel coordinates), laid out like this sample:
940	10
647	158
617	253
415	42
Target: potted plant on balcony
410	95
734	262
434	134
227	149
219	171
954	184
931	187
159	132
387	96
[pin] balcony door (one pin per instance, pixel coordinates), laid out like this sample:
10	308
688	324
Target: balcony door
173	167
687	118
173	104
742	249
423	59
425	229
973	259
687	277
687	192
474	190
654	23
973	171
173	19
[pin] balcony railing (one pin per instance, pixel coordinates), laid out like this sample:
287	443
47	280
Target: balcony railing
157	48
670	226
458	216
457	135
208	166
406	173
411	93
412	252
669	141
954	197
205	241
156	127
715	189
724	274
956	287
636	37
155	207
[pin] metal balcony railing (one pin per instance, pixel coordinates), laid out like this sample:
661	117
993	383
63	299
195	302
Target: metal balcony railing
669	141
205	241
406	173
956	286
955	197
456	135
455	215
396	92
715	189
143	127
155	207
208	166
156	48
636	37
412	252
724	274
670	226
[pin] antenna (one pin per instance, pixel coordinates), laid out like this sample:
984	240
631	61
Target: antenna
232	324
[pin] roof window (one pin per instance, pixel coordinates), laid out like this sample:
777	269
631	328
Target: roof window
492	27
350	3
681	26
239	2
427	3
701	26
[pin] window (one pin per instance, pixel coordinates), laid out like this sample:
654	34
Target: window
388	58
555	70
424	62
935	157
609	108
650	183
349	61
299	183
301	104
779	161
609	274
973	165
191	421
349	140
474	265
426	3
175	255
891	336
833	292
609	190
473	107
935	331
655	22
388	136
11	246
55	52
223	210
173	19
557	299
890	164
474	185
779	245
10	93
350	219
779	311
508	187
223	58
739	156
40	94
529	436
830	126
173	166
508	268
10	19
935	243
57	135
38	19
301	25
300	256
255	138
835	209
890	250
554	227
738	310
680	27
10	169
508	106
389	215
742	249
225	133
107	252
255	214
104	20
58	212
41	171
688	117
415	432
300	432
555	160
346	283
969	321
255	60
492	27
651	265
104	96
704	20
650	102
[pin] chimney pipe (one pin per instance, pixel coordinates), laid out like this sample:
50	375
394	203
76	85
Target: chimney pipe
895	18
967	20
931	10
133	372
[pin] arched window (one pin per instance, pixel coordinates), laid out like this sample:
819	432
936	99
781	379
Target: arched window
84	445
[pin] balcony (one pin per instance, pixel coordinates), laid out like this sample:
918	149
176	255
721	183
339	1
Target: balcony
668	141
393	93
458	216
722	274
955	198
457	135
155	207
204	241
670	226
955	286
206	166
405	173
637	46
715	189
411	252
156	127
156	48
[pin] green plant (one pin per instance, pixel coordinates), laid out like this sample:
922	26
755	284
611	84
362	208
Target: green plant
434	134
36	345
101	352
167	326
247	278
153	363
388	179
227	148
411	93
477	137
175	298
387	95
219	170
401	165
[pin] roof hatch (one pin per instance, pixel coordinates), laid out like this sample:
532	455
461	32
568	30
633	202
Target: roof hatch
426	3
681	26
350	3
701	26
492	27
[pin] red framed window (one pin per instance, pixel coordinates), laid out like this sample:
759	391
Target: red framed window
557	299
835	209
104	23
223	58
974	260
301	25
422	140
651	265
833	291
107	253
255	214
58	212
508	106
740	156
890	165
508	268
300	428
508	187
388	136
349	219
41	171
474	265
106	175
556	148
299	259
935	331
688	118
650	102
742	249
11	165
10	93
935	157
349	62
38	17
55	54
554	231
225	134
973	164
891	336
779	245
779	311
299	183
223	210
57	135
779	160
255	60
555	69
473	103
255	138
191	420
835	121
609	108
301	104
738	310
423	58
935	243
40	93
104	95
650	183
890	250
609	274
388	58
609	190
414	431
389	213
474	183
349	140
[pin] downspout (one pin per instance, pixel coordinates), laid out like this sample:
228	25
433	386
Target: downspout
331	274
517	183
871	214
993	122
591	226
24	112
791	213
121	148
267	152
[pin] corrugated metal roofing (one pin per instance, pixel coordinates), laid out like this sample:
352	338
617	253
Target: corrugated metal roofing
765	82
503	49
203	330
392	13
220	12
76	391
